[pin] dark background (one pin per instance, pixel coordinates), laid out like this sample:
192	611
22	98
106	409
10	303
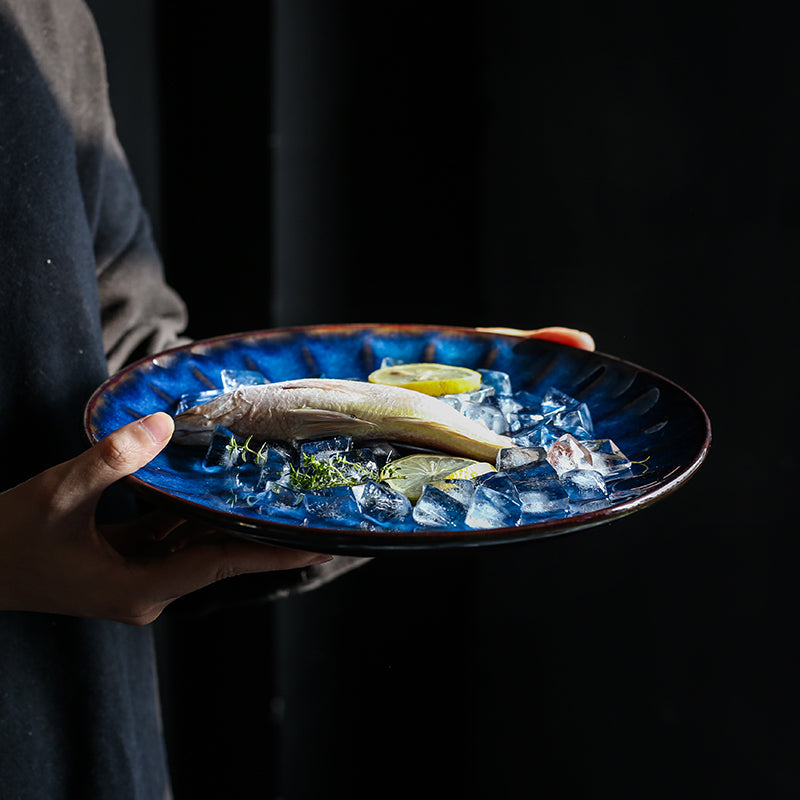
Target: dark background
630	169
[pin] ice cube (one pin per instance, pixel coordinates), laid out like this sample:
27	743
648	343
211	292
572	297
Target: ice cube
376	453
192	399
224	450
334	505
277	495
454	400
498	380
576	420
492	509
541	497
491	417
235	485
499	482
538	435
382	503
556	400
520	421
480	395
506	403
234	378
567	453
275	466
607	458
510	457
325	449
438	509
509	408
583	484
528	401
458	488
540	471
361	465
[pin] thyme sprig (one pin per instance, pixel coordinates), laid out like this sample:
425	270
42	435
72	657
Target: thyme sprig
236	448
314	473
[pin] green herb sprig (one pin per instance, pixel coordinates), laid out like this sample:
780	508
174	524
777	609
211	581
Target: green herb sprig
235	448
314	473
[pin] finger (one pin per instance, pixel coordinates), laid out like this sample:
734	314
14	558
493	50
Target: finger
189	533
142	534
122	452
210	560
161	524
570	336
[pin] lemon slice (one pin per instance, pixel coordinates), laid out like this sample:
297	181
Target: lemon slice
428	378
411	473
472	471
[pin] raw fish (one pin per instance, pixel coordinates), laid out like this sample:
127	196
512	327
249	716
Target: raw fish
313	408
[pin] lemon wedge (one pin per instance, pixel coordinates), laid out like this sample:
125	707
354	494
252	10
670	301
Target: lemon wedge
428	378
411	473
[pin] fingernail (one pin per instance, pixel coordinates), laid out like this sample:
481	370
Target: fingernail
158	425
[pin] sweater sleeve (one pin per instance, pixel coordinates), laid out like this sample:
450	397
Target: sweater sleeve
140	312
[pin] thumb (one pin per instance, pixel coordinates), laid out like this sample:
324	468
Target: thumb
123	452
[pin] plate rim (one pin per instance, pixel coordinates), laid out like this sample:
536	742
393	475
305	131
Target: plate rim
344	541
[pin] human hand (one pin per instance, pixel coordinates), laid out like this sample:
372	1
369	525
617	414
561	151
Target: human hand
570	336
55	558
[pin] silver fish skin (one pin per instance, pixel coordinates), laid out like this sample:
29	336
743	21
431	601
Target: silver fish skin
318	407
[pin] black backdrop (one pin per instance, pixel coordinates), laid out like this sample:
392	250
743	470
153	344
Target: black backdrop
629	169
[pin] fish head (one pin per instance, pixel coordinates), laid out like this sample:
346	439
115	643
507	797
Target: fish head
193	428
196	425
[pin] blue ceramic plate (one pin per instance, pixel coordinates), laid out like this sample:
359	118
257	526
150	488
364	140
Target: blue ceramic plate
650	419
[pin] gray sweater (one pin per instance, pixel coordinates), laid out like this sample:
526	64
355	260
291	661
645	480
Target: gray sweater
83	292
